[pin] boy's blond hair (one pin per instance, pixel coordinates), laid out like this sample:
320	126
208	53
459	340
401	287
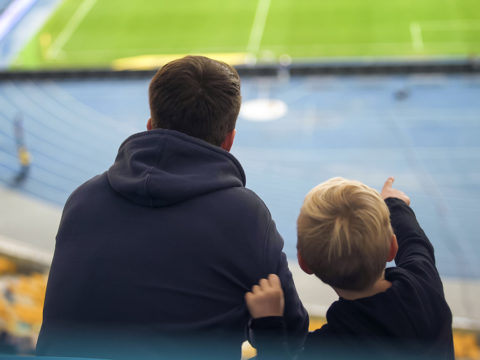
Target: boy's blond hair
344	233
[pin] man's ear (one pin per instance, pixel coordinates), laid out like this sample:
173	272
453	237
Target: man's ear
393	248
228	141
303	265
149	124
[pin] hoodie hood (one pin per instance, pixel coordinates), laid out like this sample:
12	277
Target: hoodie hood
162	167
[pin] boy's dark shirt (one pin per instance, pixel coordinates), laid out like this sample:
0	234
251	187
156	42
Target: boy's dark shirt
411	318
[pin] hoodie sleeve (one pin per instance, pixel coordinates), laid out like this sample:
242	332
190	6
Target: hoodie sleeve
270	338
415	252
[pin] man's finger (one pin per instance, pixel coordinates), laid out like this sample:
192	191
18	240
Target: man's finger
388	184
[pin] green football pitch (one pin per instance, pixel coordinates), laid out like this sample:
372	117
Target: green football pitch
145	33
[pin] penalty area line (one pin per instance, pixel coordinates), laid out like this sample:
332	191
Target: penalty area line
417	38
258	26
68	30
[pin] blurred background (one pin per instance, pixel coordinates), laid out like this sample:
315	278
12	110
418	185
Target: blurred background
362	89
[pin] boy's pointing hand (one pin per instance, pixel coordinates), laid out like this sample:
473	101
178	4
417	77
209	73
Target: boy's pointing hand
266	298
389	192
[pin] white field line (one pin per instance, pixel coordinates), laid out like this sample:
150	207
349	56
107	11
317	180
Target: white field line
68	30
416	33
258	26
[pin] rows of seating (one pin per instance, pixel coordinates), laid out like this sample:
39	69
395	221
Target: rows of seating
67	148
21	302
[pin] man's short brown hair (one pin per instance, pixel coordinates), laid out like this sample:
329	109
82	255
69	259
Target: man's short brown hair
196	95
344	233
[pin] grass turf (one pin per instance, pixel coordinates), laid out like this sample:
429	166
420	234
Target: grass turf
93	33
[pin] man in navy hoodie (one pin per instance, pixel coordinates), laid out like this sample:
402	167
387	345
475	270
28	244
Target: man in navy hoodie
153	256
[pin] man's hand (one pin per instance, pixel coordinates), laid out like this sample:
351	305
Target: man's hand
266	298
389	192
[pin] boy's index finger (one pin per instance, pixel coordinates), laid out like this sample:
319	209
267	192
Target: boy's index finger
389	183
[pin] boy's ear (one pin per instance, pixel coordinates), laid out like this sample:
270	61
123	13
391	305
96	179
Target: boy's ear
393	248
303	265
149	124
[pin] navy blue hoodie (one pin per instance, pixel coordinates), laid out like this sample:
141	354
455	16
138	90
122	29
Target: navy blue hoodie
153	257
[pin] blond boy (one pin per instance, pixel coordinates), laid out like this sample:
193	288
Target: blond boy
347	232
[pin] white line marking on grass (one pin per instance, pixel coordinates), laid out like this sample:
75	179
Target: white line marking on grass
258	26
72	25
417	39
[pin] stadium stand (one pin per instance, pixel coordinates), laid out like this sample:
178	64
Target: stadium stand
21	302
426	111
62	118
4	4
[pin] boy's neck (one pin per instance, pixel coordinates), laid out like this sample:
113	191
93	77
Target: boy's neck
381	285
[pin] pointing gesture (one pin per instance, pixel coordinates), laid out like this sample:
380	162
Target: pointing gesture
389	192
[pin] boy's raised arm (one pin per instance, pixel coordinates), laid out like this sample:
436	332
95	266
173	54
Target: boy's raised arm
414	249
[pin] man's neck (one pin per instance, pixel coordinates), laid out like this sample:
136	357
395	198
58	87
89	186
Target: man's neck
381	285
